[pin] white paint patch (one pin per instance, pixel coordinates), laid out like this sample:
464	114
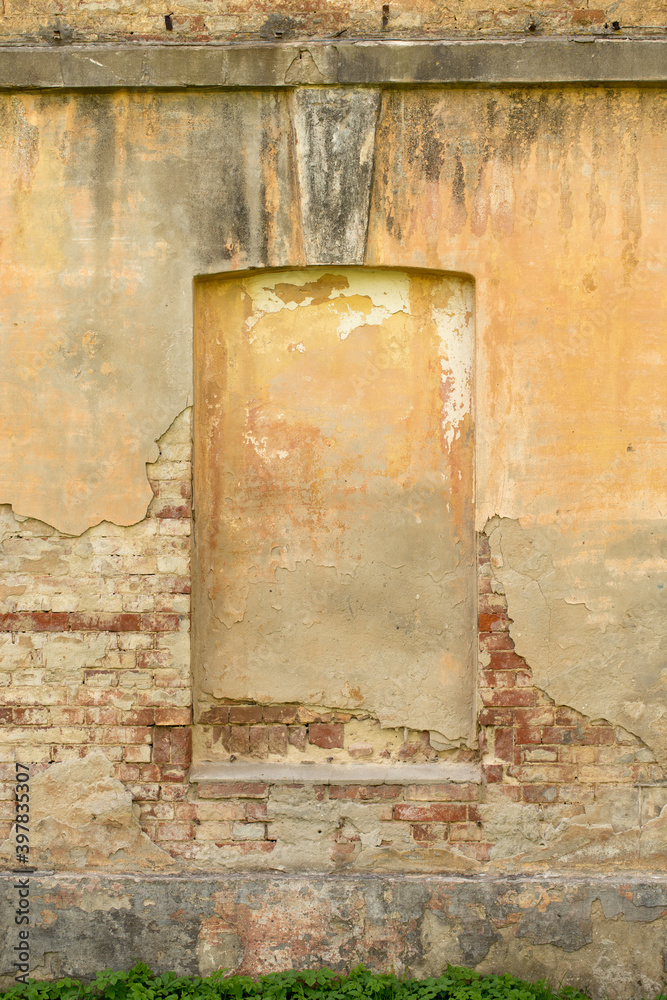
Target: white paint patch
454	326
353	319
388	292
259	446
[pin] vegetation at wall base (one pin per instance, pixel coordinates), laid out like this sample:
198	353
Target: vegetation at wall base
139	983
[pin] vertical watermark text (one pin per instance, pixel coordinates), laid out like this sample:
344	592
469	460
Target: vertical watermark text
22	885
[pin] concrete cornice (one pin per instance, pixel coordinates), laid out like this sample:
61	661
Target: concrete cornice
587	60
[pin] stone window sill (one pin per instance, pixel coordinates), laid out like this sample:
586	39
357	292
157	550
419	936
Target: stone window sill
337	774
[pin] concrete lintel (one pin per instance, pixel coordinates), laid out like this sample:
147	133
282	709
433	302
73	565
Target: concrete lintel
590	59
337	774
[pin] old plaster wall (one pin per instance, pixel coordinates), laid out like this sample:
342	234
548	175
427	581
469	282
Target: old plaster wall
333	489
571	362
551	198
109	206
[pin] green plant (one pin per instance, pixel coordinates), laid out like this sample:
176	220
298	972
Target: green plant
139	983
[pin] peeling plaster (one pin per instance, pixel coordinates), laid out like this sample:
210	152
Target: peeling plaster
82	817
588	610
334	458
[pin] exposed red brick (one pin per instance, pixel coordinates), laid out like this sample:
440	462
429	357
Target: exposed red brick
564	716
448	792
137	717
256	811
185	811
496	717
296	736
217	716
102	715
173	716
538	716
127	772
92	622
596	736
222	735
539	793
239	740
160	623
493	622
422	832
528	734
35	621
153	659
277	739
492	773
181	746
506	659
328	736
434	813
511	697
150	772
170	510
557	734
496	678
245	715
259	741
176	584
491	641
279	713
161	746
365	793
173	793
232	790
504	744
174	831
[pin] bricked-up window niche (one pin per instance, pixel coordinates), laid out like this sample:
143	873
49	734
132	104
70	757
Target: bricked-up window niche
334	576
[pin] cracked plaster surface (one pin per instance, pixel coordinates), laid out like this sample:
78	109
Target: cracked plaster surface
82	817
588	612
333	485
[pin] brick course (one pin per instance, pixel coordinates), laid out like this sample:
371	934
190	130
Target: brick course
96	653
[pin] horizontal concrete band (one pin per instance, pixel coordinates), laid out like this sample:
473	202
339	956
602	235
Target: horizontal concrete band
531	61
644	889
603	935
338	774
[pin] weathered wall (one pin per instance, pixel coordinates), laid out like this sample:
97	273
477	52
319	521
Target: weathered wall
67	21
600	935
552	199
565	248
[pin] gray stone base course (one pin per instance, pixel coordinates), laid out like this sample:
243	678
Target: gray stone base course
607	936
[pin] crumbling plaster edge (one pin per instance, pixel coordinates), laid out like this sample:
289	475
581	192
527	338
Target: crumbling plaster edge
487	526
154	451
